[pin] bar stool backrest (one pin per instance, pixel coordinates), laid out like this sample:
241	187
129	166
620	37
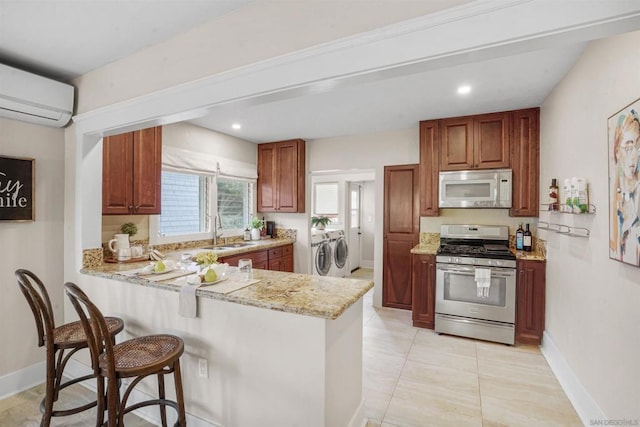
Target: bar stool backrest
38	299
95	328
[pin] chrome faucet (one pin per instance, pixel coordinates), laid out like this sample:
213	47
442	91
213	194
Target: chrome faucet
216	224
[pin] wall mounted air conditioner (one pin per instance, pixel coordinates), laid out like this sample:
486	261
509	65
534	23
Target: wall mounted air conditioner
35	99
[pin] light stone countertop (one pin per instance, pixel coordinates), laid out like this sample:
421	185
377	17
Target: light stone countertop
430	242
317	296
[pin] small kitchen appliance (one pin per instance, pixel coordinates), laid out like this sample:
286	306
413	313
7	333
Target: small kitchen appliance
476	283
271	228
488	188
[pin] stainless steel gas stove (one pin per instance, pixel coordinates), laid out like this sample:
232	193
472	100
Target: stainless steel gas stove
476	283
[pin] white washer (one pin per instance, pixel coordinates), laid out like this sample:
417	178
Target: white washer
321	254
340	250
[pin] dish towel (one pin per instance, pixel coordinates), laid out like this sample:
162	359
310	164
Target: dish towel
188	302
483	282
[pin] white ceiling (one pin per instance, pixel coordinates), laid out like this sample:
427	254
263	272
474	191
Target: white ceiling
42	36
63	39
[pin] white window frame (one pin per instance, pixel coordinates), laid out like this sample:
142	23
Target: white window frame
212	186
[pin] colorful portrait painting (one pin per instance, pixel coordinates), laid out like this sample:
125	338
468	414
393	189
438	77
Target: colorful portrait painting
624	181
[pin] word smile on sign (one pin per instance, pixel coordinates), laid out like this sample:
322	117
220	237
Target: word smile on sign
10	193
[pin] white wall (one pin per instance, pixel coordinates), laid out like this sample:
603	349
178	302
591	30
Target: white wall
370	152
368	224
592	312
190	137
32	245
477	216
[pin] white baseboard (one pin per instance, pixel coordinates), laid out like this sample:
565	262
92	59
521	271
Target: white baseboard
366	263
21	380
150	413
358	419
583	403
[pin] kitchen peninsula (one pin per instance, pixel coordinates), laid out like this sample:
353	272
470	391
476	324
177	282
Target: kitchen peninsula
284	351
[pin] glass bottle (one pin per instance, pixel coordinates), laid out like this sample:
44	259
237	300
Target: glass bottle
527	240
520	238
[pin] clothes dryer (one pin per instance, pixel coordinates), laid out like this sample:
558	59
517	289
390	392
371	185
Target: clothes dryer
321	254
340	250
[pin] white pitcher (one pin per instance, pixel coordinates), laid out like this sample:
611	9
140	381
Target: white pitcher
119	241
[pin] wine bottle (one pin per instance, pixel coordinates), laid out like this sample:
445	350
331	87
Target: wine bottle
527	240
520	238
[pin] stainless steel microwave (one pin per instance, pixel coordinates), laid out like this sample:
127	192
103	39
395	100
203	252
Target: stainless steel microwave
488	188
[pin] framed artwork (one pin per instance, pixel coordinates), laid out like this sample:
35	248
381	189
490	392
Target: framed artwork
624	181
17	189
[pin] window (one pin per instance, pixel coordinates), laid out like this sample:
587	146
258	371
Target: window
325	201
184	204
234	204
189	202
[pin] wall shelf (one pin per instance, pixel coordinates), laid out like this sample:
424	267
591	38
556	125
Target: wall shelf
564	229
567	230
566	209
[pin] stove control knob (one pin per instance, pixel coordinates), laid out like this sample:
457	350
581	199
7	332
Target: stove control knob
489	262
499	263
456	260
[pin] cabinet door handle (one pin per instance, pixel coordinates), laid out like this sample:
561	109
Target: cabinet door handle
137	207
131	208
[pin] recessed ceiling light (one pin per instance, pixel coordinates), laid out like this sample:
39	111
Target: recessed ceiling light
236	126
464	89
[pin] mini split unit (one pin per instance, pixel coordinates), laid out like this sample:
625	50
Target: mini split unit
31	98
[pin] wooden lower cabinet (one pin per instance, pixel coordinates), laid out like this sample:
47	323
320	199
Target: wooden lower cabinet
423	284
530	301
278	259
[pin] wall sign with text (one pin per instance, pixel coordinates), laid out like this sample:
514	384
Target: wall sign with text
17	189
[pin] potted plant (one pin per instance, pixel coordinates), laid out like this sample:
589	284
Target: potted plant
320	222
256	225
129	228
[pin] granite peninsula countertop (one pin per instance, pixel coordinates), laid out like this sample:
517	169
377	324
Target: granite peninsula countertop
317	296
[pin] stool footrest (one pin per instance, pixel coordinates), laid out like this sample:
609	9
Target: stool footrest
70	411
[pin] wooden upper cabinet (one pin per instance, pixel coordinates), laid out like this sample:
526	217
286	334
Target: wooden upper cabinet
131	173
509	139
456	146
429	167
491	143
525	162
475	142
281	176
266	178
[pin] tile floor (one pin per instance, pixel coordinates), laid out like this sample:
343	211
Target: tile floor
415	377
412	377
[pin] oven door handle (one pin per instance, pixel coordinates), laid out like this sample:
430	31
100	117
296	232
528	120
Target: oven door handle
470	271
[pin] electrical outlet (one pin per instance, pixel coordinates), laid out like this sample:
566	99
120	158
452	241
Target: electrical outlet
203	368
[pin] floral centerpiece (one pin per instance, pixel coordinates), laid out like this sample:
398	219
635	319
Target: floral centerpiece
206	258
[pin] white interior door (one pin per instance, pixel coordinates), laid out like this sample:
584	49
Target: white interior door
355	234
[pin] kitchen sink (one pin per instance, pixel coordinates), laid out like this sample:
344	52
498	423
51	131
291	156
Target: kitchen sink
231	246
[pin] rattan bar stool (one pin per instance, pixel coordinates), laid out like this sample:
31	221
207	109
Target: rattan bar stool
136	358
56	341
